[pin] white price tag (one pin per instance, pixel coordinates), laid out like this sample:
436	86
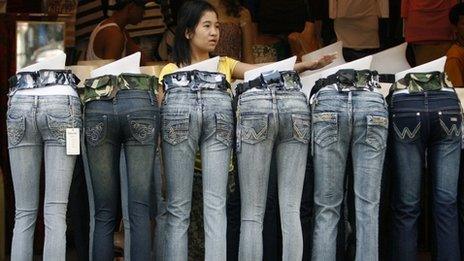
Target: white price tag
72	141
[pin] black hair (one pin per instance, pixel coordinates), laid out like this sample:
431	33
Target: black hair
455	12
233	7
188	18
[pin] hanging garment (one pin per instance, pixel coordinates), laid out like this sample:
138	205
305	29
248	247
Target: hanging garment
349	114
272	113
426	131
36	128
197	113
120	111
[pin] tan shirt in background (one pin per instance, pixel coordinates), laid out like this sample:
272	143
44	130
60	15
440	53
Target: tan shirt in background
356	22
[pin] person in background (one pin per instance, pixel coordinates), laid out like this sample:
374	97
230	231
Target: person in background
427	28
356	24
237	36
454	66
110	39
196	37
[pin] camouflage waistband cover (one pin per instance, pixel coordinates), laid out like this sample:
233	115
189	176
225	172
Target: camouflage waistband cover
420	82
107	86
42	78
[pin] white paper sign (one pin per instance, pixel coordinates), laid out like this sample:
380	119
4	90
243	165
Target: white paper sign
308	83
391	61
284	65
360	64
128	64
435	65
58	62
72	141
210	65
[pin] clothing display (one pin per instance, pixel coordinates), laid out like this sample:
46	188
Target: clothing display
349	114
121	110
197	112
426	129
36	127
271	112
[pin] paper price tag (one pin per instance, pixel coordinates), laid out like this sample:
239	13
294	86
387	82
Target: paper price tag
72	141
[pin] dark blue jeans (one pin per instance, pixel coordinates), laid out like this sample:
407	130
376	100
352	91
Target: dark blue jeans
426	128
131	118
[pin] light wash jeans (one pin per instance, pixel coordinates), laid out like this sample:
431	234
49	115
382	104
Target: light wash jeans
356	120
190	119
37	130
270	119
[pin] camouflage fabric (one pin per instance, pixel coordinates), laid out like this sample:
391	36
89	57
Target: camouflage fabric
348	78
419	82
106	87
42	78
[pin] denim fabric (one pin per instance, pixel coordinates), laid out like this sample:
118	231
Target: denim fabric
160	213
191	119
267	119
131	118
355	121
426	128
37	129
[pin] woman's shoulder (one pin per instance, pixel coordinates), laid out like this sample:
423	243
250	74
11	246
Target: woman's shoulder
167	69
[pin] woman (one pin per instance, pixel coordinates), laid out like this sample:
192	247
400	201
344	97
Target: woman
187	113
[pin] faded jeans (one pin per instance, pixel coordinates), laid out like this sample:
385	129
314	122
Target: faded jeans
280	119
192	119
356	120
37	129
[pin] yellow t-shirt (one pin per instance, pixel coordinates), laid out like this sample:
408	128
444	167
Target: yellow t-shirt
226	66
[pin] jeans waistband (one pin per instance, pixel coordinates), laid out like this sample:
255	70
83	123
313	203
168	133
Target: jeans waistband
55	99
285	80
42	78
422	82
196	80
349	79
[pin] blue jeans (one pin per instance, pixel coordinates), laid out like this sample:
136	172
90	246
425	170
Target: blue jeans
160	210
425	128
190	119
268	119
344	121
37	128
131	118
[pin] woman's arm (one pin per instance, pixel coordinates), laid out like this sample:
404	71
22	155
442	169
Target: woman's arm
241	68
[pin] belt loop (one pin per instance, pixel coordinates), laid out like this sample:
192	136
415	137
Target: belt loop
36	101
150	95
273	94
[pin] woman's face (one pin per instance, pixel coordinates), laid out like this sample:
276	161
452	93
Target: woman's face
206	34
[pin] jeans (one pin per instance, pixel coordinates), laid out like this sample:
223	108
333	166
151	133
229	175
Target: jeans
271	118
131	118
160	213
344	121
426	128
37	126
190	119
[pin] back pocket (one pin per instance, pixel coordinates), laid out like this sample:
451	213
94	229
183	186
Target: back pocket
16	127
325	128
175	128
407	126
254	128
